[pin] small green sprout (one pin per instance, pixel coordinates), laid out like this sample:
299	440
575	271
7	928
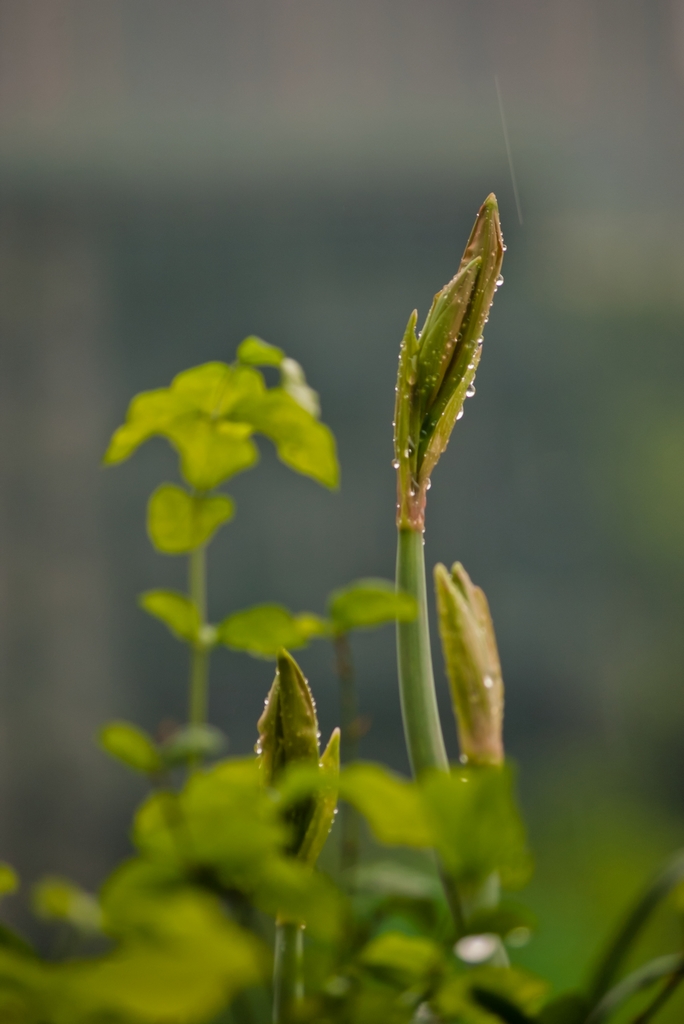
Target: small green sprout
472	663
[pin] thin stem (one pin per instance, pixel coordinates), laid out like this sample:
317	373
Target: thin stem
670	876
422	728
349	746
663	997
199	666
288	985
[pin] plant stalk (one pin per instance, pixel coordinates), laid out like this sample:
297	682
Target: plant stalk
424	740
422	727
349	748
199	665
288	984
609	966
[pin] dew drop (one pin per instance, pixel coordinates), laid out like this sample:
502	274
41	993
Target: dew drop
395	463
471	391
428	485
488	682
463	759
460	414
499	281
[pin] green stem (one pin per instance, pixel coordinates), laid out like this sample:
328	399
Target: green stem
349	713
666	880
199	667
288	985
424	740
422	727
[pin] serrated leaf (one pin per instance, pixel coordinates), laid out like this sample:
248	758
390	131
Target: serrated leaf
58	899
178	522
132	746
264	629
149	413
476	824
256	352
301	441
367	603
211	451
175	610
391	805
9	880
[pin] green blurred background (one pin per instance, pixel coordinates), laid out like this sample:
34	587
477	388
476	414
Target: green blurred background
175	175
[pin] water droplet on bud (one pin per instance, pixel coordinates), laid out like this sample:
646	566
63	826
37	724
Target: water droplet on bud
488	682
463	759
471	391
460	414
395	463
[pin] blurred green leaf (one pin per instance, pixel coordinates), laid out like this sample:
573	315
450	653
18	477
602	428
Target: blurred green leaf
192	742
149	413
179	958
301	441
178	522
412	955
256	352
293	891
225	829
9	881
265	628
175	610
476	824
456	997
131	745
367	603
58	899
391	805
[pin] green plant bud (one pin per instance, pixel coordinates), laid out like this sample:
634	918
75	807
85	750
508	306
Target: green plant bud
288	728
472	664
437	369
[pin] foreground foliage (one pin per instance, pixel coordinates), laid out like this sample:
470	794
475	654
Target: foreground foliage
222	913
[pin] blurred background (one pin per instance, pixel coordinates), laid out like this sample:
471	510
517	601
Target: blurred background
176	175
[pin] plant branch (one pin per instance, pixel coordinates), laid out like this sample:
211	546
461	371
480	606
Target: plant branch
666	880
288	986
349	713
663	997
424	740
199	666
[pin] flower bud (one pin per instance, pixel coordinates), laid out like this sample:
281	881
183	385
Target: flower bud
437	368
472	663
288	728
288	735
